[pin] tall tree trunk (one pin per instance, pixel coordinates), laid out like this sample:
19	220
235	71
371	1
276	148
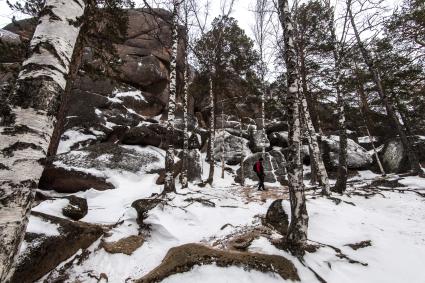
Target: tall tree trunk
413	160
319	166
211	132
365	112
342	174
364	103
183	175
34	106
263	118
169	182
242	152
297	230
222	141
311	120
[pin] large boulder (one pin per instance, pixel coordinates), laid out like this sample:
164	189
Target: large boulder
274	167
257	140
394	157
277	218
65	180
232	148
50	240
278	139
76	209
357	156
91	166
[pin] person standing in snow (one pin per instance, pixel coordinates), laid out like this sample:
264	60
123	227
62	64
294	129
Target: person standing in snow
259	169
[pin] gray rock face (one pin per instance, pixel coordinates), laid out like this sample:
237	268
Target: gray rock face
274	167
256	141
357	156
232	148
44	252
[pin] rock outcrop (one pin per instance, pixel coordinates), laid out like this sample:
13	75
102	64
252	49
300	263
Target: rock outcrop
232	148
89	167
47	246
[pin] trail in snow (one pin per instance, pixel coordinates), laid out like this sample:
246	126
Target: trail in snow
393	222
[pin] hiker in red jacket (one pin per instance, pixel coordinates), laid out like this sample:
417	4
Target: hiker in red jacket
259	169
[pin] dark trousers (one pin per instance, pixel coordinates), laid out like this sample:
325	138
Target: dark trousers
260	181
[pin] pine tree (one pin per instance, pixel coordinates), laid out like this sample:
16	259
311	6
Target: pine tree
413	160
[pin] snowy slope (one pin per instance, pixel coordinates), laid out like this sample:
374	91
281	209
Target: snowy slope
393	222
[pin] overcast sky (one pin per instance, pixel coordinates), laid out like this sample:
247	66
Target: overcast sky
242	11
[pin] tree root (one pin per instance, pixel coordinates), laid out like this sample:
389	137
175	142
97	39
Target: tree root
204	202
183	258
341	255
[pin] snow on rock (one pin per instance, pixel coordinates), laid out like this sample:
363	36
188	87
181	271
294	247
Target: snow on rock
39	226
72	138
213	274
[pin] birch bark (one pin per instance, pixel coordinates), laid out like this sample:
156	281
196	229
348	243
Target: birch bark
297	231
211	132
169	182
24	140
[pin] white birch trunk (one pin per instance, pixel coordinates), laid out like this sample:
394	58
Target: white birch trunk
34	105
263	130
211	131
184	180
242	153
222	142
297	231
169	182
315	150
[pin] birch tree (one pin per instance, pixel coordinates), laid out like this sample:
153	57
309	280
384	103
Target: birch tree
34	104
261	31
368	59
183	174
169	182
297	231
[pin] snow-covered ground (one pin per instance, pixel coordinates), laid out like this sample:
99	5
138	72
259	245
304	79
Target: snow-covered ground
393	222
